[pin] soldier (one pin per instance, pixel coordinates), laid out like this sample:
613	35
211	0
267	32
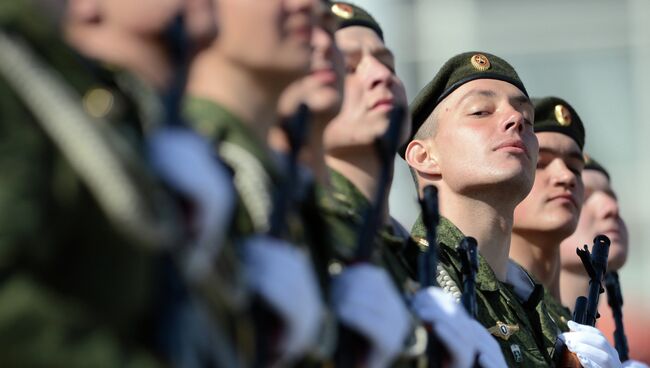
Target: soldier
550	213
600	214
234	86
474	140
83	222
372	91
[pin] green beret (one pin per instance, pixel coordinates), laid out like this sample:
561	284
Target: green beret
591	164
459	70
553	114
352	15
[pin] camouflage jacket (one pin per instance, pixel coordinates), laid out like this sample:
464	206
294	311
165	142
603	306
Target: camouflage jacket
523	328
78	236
343	208
560	314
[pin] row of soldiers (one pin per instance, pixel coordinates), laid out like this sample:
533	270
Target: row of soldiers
202	183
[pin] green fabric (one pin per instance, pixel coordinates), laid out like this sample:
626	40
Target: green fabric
560	314
553	114
497	302
457	71
219	125
591	164
343	208
352	15
74	291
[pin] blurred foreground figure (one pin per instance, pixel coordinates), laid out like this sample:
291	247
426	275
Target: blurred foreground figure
82	220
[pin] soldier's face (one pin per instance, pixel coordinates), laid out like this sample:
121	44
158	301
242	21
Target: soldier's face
484	141
322	88
270	37
552	208
372	90
600	215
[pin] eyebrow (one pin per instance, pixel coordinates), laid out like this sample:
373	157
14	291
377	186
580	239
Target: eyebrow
477	92
573	154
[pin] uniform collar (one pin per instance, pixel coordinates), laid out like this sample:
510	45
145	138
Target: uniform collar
220	125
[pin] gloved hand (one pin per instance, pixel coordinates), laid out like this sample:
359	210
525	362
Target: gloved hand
366	300
463	337
283	276
634	364
205	185
590	346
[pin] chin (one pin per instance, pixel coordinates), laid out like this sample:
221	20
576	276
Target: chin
617	257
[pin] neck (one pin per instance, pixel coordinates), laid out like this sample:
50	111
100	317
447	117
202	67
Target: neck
251	98
539	257
362	170
489	224
147	58
574	284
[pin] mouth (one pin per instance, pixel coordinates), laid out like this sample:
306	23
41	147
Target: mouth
513	146
565	197
383	104
301	33
325	75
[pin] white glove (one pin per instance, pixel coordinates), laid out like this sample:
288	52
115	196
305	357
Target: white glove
186	162
366	300
634	364
590	346
463	337
283	276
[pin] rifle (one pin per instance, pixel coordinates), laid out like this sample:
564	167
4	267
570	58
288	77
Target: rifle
615	301
469	268
586	308
269	325
437	354
385	147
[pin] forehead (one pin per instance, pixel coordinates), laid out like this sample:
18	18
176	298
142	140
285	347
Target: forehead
357	37
595	180
559	144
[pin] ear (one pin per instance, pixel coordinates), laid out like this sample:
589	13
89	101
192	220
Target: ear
83	11
421	156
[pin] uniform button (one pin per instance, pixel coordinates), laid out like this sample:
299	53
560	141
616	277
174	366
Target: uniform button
98	102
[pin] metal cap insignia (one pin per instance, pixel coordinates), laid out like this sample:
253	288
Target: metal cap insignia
562	115
480	62
344	11
503	330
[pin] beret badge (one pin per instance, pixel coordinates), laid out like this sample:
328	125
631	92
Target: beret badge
480	62
562	115
344	11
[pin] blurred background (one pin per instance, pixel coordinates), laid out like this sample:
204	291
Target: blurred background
593	53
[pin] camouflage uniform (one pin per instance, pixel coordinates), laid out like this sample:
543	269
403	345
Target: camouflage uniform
560	314
257	175
79	215
344	208
523	328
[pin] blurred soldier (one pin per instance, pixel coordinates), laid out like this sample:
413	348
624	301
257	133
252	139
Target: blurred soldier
550	213
600	214
474	140
234	85
83	221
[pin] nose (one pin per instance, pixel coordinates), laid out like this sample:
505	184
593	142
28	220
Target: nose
379	74
563	176
514	121
610	207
